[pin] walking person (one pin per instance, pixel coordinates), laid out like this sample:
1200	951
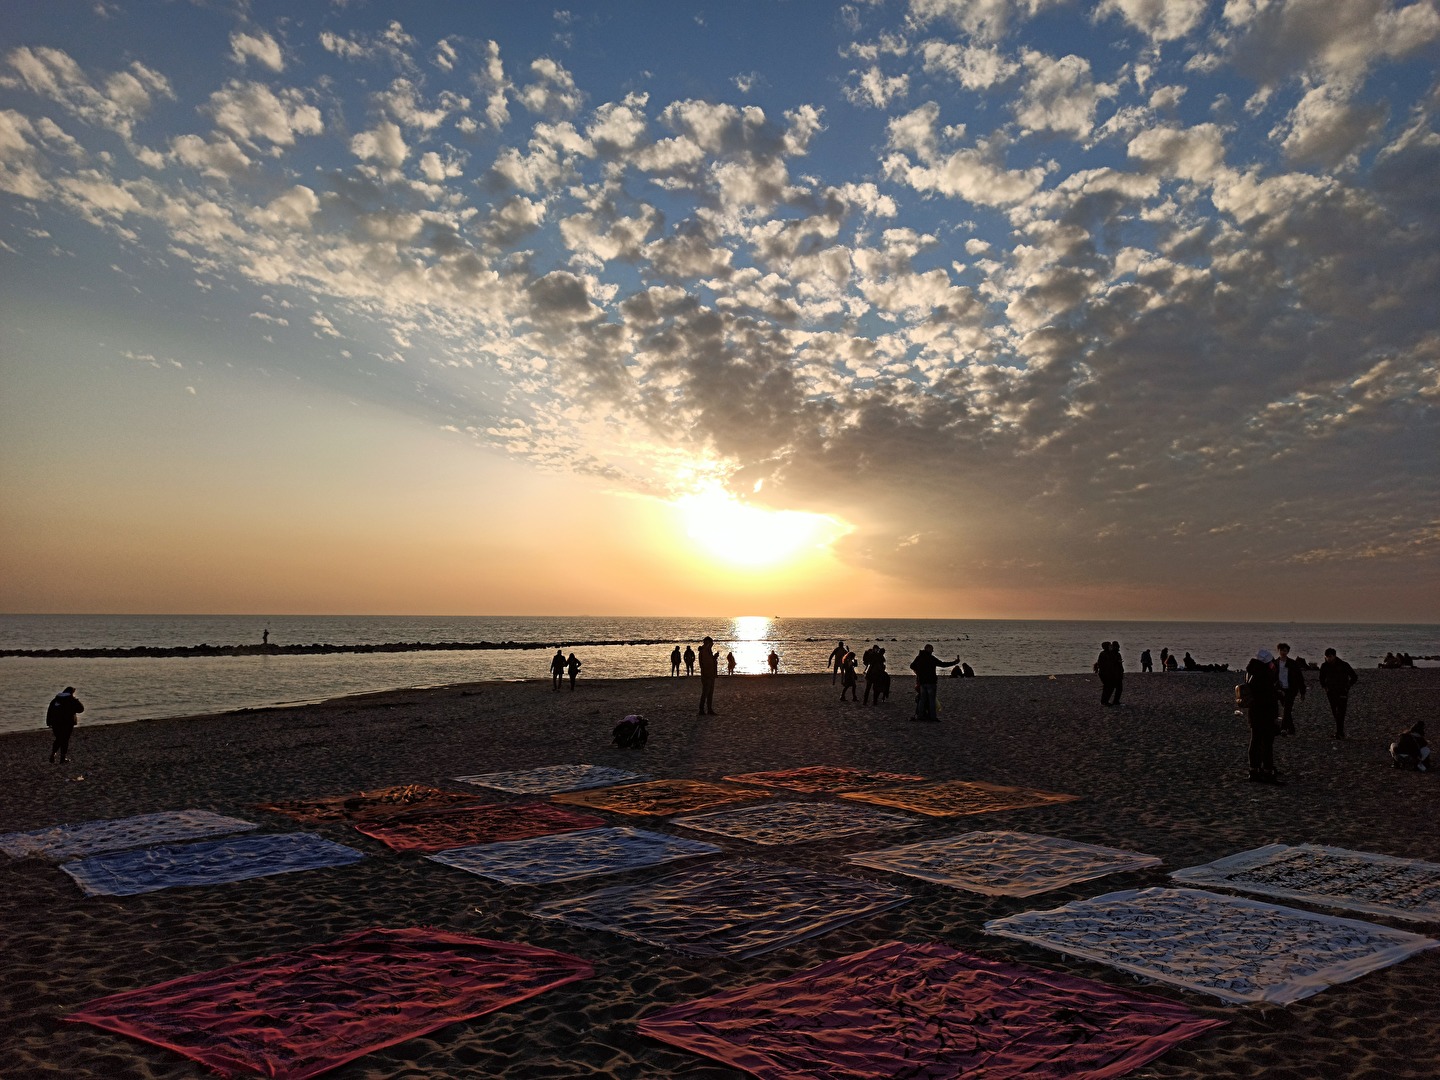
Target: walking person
927	683
557	669
1111	669
1292	685
874	673
675	661
572	668
847	676
1264	716
837	654
60	719
1336	679
1147	665
709	669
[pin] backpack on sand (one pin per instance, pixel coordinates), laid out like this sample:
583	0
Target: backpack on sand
631	733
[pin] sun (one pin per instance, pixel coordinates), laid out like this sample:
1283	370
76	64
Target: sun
752	537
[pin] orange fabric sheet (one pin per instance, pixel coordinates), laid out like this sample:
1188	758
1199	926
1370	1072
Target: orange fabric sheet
660	797
952	798
460	826
813	778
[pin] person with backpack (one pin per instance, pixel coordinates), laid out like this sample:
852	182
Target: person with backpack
1336	679
60	719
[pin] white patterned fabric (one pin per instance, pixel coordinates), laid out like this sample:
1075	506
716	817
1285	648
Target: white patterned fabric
1334	877
795	823
1004	863
1236	949
550	779
572	855
63	842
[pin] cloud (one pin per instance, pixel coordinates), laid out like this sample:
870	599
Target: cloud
553	93
973	67
384	143
1059	95
392	43
873	87
252	111
985	20
1326	129
260	47
1159	20
1335	39
973	173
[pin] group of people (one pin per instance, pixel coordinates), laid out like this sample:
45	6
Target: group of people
689	656
561	666
1273	683
1169	663
1397	660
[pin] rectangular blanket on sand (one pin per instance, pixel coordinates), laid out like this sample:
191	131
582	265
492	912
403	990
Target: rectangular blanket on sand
572	855
1334	877
1004	863
796	823
733	909
296	1015
660	797
1239	950
813	778
552	779
950	798
928	1010
63	842
461	826
214	862
374	805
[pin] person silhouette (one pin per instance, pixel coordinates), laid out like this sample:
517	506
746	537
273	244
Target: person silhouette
837	654
675	661
709	668
60	719
774	661
729	663
265	637
572	668
557	669
927	683
689	660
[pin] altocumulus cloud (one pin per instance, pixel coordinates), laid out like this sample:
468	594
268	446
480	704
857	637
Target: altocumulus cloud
1160	305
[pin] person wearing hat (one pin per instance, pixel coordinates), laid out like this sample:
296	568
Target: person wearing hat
1336	679
1264	716
60	719
709	670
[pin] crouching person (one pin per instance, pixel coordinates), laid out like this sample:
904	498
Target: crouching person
1410	750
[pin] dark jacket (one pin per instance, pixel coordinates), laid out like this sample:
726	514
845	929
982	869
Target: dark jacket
925	665
1296	671
1264	690
1110	665
1336	676
709	662
62	712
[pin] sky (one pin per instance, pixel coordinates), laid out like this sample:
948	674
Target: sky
925	308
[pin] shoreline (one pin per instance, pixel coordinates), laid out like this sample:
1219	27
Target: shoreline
1163	775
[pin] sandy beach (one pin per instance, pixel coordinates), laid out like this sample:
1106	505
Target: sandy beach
1164	774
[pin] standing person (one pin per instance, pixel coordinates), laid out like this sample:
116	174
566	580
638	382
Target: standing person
730	663
837	654
557	669
1292	685
1336	679
675	661
1264	716
265	637
572	668
689	661
874	673
774	661
60	719
1165	659
847	676
1147	666
709	669
927	683
1111	669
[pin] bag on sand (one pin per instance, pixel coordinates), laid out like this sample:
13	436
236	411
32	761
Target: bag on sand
632	732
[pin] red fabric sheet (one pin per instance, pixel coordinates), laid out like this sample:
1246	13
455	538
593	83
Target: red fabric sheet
461	826
928	1011
298	1014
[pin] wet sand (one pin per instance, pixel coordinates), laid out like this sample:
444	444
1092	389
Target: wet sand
1163	774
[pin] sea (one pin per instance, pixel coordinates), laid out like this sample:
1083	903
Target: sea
120	690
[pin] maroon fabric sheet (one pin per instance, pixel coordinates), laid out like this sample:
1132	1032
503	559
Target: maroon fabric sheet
931	1011
460	826
298	1014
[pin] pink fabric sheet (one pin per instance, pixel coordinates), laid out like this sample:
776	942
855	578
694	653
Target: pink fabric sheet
296	1015
928	1011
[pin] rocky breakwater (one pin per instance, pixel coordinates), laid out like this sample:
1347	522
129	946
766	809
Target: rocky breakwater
205	649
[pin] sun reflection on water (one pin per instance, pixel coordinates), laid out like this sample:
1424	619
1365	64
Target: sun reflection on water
751	644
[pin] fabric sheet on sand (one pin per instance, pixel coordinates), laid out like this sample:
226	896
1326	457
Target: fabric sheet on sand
734	909
660	797
1239	950
950	798
813	778
1004	863
63	842
299	1014
461	826
572	855
552	779
371	805
1334	877
214	862
903	1010
796	823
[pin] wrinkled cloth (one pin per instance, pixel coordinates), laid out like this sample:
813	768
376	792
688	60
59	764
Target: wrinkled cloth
571	856
1004	863
795	823
903	1010
1331	877
552	779
1239	950
462	826
735	909
813	778
951	798
296	1015
371	805
660	797
213	862
62	842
